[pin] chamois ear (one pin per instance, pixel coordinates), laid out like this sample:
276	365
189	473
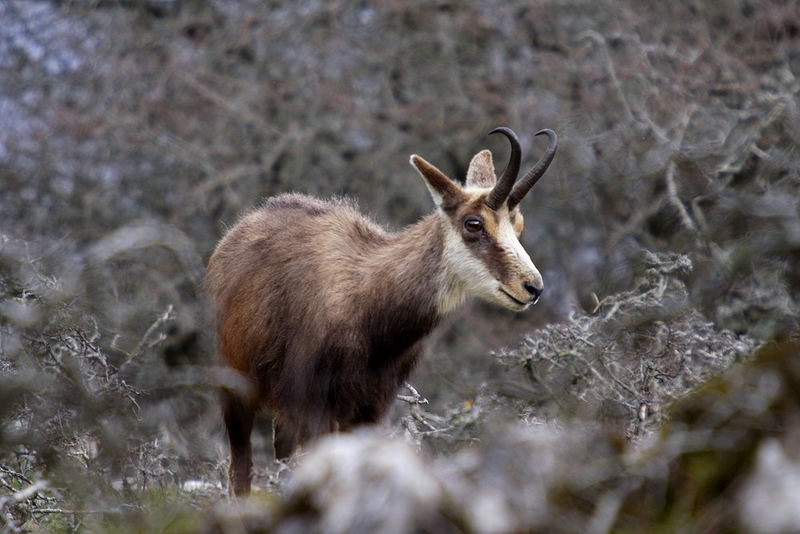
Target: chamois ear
481	170
445	192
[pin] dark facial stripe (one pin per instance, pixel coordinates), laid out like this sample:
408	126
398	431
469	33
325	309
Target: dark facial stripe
491	254
484	245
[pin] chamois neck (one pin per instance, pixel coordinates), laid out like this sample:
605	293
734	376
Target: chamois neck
402	289
414	263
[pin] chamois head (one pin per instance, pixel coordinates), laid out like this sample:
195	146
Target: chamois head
482	251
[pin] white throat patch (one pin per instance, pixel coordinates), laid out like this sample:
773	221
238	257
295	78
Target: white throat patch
464	274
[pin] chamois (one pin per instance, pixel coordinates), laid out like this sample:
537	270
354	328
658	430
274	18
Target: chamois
323	312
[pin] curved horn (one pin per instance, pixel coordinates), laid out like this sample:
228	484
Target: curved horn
503	186
524	185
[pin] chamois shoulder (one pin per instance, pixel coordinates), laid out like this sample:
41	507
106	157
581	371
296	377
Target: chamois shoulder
308	205
338	216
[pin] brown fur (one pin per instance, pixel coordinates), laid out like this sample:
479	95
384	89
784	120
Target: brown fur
324	313
293	320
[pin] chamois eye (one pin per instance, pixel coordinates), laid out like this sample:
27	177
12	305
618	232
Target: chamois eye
473	225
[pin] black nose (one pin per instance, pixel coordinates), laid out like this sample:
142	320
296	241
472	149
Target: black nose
533	290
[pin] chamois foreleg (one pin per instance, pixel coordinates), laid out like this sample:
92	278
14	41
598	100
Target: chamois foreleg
284	438
295	428
238	415
365	414
305	409
384	383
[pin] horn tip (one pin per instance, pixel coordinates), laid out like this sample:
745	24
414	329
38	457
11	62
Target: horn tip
548	132
503	130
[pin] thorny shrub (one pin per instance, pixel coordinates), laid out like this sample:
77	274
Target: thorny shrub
132	132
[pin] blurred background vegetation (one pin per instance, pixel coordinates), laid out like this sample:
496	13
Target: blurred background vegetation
133	132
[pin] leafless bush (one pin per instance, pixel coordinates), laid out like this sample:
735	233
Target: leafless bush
635	353
727	448
130	132
86	421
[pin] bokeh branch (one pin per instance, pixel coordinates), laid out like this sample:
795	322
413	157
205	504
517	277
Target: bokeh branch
667	232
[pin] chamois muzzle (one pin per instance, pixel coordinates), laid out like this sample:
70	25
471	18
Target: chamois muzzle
533	290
